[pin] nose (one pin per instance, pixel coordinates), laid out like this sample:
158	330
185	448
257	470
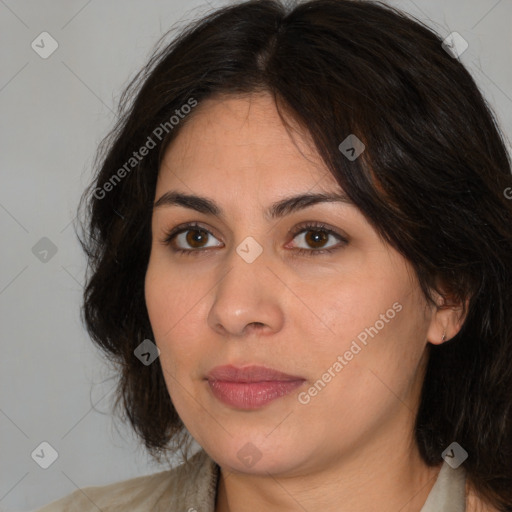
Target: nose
248	298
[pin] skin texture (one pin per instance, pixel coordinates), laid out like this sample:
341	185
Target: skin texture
350	448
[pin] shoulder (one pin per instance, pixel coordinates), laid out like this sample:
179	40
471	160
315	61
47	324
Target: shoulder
153	492
132	492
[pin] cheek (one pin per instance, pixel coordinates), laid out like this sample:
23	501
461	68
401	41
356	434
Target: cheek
176	313
169	296
350	306
376	320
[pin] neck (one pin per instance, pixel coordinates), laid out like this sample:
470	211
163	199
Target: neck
386	479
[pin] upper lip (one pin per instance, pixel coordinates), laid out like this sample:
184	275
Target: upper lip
249	374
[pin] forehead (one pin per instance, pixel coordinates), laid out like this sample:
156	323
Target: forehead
242	139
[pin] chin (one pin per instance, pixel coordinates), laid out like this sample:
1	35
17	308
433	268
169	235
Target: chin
257	455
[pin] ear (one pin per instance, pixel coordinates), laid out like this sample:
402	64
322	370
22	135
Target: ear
447	319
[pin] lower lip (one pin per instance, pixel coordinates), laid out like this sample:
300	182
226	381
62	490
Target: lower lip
251	395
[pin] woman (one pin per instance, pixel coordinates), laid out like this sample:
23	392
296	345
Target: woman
300	241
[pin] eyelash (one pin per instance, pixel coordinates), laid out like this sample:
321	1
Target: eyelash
310	226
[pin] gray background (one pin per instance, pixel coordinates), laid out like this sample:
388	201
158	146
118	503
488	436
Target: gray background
54	113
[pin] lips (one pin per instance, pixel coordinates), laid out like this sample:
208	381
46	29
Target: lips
251	387
231	373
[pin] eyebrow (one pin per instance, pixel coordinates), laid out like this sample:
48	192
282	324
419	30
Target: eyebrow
276	210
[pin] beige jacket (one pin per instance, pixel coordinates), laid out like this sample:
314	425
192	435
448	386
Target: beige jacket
191	487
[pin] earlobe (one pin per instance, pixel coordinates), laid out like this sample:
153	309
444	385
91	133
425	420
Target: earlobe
438	333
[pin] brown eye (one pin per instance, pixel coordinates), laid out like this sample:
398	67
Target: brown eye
316	238
189	239
196	237
313	237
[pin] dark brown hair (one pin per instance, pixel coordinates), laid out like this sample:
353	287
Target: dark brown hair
432	181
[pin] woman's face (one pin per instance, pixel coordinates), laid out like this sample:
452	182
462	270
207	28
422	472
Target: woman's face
350	324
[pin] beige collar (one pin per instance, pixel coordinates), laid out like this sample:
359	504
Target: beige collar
449	491
447	495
